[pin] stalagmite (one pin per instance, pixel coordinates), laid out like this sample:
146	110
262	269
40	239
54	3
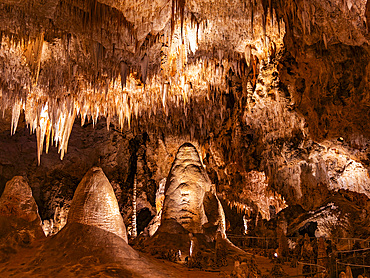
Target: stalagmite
17	201
134	208
188	195
94	203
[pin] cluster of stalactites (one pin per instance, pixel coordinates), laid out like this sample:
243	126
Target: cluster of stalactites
185	73
302	15
52	118
240	207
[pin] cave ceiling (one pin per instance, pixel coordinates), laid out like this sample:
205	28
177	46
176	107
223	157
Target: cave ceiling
184	65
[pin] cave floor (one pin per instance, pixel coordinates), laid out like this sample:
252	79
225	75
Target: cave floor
27	262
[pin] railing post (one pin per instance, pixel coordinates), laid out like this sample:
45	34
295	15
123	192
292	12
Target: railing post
300	268
349	244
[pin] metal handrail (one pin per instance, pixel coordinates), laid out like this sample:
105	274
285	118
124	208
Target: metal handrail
291	237
338	262
317	265
352	251
322	268
355	265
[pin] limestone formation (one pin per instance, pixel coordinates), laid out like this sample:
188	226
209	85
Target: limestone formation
188	187
95	204
159	199
17	201
274	95
20	223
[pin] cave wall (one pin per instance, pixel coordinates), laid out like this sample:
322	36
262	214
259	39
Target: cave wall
282	125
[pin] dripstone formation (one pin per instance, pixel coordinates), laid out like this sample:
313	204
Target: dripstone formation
17	201
20	223
95	204
193	220
248	118
93	242
189	193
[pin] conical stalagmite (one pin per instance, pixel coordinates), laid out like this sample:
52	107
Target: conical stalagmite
95	204
17	201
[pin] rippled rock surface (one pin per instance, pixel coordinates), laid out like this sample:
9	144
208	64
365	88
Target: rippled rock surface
185	190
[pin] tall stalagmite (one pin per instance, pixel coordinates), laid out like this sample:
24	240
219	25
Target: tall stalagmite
187	186
95	204
20	223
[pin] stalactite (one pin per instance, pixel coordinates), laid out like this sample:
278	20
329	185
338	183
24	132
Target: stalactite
165	93
123	72
144	67
247	54
48	133
98	91
325	40
349	4
252	17
16	110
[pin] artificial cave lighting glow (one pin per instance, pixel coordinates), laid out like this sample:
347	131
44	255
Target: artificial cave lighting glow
245	223
119	95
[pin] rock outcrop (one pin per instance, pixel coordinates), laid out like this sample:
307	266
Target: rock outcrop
17	201
20	223
95	204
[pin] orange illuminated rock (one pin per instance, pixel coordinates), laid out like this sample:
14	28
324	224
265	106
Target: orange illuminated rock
20	223
17	201
94	203
185	190
189	199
